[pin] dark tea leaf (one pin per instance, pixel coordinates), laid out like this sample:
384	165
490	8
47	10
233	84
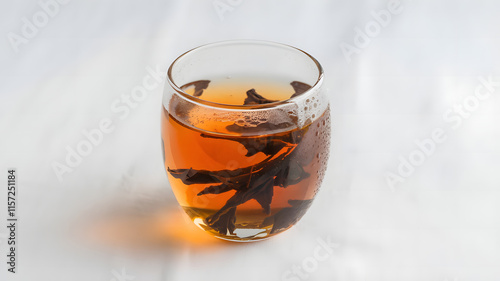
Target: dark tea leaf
270	147
254	98
296	173
288	216
265	196
299	88
190	176
293	174
262	192
216	189
199	86
258	185
225	222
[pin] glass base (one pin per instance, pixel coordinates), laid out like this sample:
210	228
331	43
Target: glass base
240	234
246	228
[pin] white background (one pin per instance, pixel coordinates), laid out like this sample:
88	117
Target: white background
114	217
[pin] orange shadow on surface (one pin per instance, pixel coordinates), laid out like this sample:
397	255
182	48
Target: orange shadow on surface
150	224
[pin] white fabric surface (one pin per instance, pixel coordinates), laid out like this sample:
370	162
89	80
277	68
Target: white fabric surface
114	216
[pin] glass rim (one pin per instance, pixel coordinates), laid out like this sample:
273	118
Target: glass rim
182	93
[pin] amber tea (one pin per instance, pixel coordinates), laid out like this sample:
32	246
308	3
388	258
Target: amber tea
249	177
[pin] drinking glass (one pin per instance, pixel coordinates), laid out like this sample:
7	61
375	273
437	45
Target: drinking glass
245	136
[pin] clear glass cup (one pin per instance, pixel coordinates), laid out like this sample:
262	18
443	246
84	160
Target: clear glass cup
245	136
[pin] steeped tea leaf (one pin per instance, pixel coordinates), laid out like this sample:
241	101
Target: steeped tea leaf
190	176
265	196
293	174
199	86
288	216
269	147
254	98
216	189
299	88
260	191
258	185
225	222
